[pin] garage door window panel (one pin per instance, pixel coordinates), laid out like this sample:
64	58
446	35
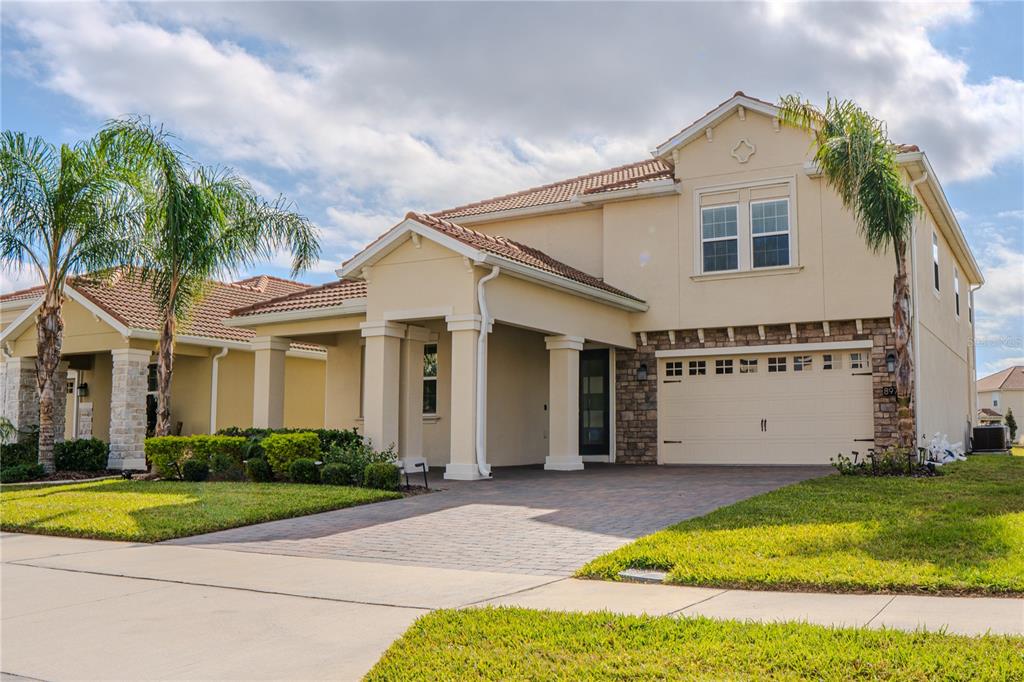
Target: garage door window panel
674	369
723	366
802	363
748	366
856	361
776	365
698	368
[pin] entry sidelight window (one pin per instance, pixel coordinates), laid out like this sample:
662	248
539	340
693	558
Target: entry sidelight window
430	378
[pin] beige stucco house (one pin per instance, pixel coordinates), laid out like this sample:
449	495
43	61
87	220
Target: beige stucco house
713	304
1000	392
110	338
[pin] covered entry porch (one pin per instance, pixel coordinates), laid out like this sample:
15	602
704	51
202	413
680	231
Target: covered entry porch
451	352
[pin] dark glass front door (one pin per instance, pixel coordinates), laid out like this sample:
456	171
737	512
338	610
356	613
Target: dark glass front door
594	402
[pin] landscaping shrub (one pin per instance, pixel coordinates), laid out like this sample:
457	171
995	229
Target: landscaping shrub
284	448
195	470
357	456
168	454
336	474
328	437
82	454
21	472
204	447
13	454
303	470
224	467
381	475
258	470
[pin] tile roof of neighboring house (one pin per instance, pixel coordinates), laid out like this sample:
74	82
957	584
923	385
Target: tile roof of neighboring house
521	253
124	296
33	292
324	296
620	177
989	412
1010	379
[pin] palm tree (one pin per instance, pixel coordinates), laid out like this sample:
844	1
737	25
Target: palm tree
200	223
858	161
65	210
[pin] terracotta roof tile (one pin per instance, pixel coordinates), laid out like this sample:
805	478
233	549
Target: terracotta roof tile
620	177
989	412
324	296
1009	379
33	292
516	251
273	286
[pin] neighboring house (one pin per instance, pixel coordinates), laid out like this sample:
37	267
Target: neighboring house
111	328
989	417
714	304
1000	392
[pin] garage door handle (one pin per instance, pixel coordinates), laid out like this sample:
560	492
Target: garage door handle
672	381
860	374
764	425
671	441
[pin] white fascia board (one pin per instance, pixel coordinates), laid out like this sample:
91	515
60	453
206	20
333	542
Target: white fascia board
510	213
948	216
697	128
355	306
393	237
21	322
767	348
307	354
653	188
554	281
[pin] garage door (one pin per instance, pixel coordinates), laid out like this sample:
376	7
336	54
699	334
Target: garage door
786	408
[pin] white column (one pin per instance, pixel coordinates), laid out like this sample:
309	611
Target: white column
380	392
564	403
20	392
462	464
410	435
129	377
268	381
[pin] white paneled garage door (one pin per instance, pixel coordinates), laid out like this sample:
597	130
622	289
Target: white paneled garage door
765	408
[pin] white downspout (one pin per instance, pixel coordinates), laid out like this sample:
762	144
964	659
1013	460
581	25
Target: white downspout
213	388
915	327
481	375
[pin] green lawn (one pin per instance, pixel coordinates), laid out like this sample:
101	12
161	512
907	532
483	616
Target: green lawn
150	511
518	644
962	532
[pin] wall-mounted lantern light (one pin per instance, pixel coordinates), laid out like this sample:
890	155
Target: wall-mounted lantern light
641	373
890	362
83	390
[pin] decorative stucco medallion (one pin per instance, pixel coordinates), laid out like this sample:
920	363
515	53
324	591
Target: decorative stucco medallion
743	150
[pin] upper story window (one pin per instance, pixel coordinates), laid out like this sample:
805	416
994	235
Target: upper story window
719	240
430	378
995	400
769	233
956	291
935	259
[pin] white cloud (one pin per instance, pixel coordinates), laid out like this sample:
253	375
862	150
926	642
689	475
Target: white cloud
15	279
1001	364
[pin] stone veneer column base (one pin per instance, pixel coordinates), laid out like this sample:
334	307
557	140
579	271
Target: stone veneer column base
20	392
129	378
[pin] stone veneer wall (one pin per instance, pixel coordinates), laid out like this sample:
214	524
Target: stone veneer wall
636	418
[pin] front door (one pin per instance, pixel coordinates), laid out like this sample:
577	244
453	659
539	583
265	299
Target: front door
594	402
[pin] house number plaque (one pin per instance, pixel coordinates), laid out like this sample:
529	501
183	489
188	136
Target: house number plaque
888	390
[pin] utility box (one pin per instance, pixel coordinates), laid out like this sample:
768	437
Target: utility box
995	438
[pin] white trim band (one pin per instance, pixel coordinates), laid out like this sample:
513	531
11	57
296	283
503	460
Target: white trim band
760	350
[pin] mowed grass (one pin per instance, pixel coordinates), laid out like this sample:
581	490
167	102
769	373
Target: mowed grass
962	532
518	644
150	511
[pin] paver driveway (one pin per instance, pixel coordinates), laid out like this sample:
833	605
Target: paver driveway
525	520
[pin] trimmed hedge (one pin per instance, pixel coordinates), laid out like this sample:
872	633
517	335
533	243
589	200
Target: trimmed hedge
284	448
328	437
336	474
258	470
82	454
168	454
382	476
17	473
195	470
303	470
14	454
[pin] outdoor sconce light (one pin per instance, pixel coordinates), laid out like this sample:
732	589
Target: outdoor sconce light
890	363
641	373
83	390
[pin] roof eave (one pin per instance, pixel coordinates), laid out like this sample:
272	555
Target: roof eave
356	306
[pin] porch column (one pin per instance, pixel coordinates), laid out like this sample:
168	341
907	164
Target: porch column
268	381
564	403
380	393
20	392
60	401
462	465
344	372
129	379
410	436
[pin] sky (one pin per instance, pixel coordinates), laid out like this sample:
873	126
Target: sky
361	112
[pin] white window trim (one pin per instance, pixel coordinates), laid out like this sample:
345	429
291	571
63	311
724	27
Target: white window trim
744	256
995	399
956	292
433	378
703	241
750	230
936	272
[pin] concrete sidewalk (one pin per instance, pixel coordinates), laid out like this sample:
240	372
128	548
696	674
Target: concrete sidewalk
75	609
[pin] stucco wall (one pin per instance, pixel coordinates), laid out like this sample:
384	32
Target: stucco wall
517	395
576	240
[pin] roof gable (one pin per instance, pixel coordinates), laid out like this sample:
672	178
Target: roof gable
1009	379
708	120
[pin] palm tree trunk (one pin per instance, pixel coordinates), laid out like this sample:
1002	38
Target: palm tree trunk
901	316
49	337
164	368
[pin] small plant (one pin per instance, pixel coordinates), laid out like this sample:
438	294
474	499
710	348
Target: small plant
1011	423
195	470
284	448
258	470
21	472
892	461
82	454
336	474
224	467
381	475
12	454
357	455
303	470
